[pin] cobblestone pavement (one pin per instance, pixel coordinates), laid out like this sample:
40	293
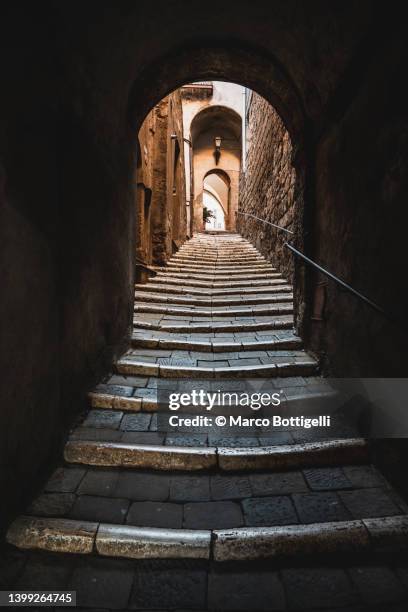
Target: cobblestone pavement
148	518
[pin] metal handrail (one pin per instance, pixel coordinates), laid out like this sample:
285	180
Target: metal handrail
283	229
330	275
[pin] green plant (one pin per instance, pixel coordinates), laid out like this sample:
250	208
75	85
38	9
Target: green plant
207	214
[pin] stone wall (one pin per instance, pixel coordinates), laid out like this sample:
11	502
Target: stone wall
267	186
359	225
161	217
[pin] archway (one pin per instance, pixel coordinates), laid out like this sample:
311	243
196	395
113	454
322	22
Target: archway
217	197
216	136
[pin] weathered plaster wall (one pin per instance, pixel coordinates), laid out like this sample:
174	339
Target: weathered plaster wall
161	218
267	186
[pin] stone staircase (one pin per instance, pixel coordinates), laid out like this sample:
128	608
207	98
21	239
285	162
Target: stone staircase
142	516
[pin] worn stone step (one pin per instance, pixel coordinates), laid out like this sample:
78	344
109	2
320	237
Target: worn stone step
218	259
228	262
344	451
193	300
215	311
219	255
276	323
82	537
287	366
213	278
186	289
215	270
355	537
217	284
216	346
307	401
371	535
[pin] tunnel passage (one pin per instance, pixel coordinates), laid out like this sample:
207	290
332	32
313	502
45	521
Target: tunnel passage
68	143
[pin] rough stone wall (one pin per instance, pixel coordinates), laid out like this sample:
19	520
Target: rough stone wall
267	187
360	224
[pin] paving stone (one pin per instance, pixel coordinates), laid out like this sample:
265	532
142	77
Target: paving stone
279	483
102	583
364	503
320	587
64	480
320	507
185	488
230	487
12	564
97	434
262	511
212	515
276	438
141	486
377	585
45	574
169	590
100	509
153	438
155	514
131	381
99	482
362	476
245	591
103	418
52	504
123	391
136	422
325	479
184	439
232	441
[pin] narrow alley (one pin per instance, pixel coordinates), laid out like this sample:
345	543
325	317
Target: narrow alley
203	223
196	500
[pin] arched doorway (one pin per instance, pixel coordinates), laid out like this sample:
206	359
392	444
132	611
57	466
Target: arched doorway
216	198
216	137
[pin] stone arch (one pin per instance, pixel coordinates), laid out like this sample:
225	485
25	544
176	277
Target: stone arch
235	62
222	190
216	121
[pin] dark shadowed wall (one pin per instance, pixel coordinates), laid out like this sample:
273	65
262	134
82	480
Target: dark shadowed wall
77	81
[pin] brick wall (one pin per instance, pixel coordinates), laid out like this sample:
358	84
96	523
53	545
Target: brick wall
267	187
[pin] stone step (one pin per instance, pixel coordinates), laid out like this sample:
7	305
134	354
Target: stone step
135	367
212	277
345	451
215	311
227	261
205	252
186	289
294	398
218	257
193	300
250	362
217	284
371	536
276	323
216	346
214	270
